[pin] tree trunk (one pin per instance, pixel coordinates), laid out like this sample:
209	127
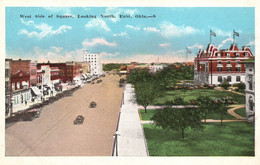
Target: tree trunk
145	109
221	117
205	116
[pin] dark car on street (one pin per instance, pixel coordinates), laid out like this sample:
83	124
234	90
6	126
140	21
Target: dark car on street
92	104
79	120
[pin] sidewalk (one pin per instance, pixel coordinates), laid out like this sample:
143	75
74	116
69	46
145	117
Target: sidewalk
22	107
131	140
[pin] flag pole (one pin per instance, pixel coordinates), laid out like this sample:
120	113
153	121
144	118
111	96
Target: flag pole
233	37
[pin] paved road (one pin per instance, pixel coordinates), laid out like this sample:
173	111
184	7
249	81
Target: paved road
54	134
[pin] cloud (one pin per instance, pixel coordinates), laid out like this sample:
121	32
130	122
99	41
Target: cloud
120	34
251	43
117	12
151	29
170	30
105	54
45	30
225	41
165	45
57	49
195	46
97	41
97	23
132	27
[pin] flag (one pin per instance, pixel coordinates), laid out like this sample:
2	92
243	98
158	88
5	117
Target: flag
212	33
236	33
188	50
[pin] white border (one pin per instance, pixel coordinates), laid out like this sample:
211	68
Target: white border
127	160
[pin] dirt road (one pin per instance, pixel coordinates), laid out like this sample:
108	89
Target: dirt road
54	134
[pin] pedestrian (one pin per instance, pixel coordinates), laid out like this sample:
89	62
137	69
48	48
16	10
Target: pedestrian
25	102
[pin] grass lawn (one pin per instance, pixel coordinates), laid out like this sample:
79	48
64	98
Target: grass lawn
216	116
241	112
194	94
231	139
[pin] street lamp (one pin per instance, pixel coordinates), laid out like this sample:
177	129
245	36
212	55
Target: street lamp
116	143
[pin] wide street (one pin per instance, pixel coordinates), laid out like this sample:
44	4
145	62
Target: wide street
54	134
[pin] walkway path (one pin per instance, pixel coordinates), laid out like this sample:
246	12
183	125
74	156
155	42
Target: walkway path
131	140
233	113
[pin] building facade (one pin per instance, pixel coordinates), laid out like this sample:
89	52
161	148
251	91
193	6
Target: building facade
94	60
250	89
7	86
20	82
213	66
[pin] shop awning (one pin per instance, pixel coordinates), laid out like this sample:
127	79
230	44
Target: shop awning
36	91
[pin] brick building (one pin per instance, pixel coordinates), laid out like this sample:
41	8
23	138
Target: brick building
212	66
7	86
20	81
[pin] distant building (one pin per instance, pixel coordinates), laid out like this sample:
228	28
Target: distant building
33	73
136	66
250	89
212	66
94	60
85	67
7	86
154	67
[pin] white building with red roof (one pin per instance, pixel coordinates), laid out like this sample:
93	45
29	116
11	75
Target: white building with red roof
212	66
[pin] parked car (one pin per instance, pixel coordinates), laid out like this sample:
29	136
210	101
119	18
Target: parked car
79	120
92	104
92	82
99	81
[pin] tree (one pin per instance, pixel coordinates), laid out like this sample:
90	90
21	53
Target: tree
178	119
147	92
137	76
221	107
205	106
225	84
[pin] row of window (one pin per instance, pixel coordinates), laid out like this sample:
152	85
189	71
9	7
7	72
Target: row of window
229	79
21	98
238	69
236	55
238	62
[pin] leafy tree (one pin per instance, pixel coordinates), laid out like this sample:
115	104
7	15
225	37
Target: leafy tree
178	119
147	92
225	84
221	107
139	76
109	67
205	106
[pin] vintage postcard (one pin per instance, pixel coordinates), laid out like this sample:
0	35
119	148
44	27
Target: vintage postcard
143	81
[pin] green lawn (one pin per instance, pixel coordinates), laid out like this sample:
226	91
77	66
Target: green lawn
194	94
241	112
216	116
232	139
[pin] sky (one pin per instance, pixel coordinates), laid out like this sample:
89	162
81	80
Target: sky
164	35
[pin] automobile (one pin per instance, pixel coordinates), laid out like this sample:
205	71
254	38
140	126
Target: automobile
79	120
92	104
99	81
92	82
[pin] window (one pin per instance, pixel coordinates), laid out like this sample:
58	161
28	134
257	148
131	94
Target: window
238	62
228	78
219	62
251	103
250	82
219	55
237	54
228	55
219	79
246	54
238	78
228	62
229	69
219	69
238	69
7	72
18	85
